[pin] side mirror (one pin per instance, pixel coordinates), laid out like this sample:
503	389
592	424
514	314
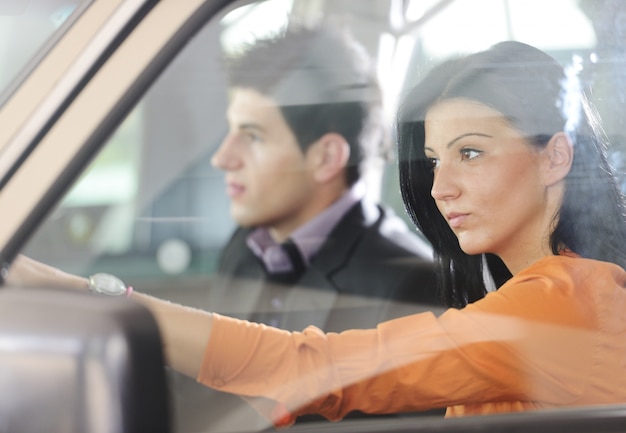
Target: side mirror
79	363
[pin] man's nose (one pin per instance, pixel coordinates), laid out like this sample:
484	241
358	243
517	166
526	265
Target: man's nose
226	157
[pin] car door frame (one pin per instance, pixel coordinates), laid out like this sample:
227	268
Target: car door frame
74	132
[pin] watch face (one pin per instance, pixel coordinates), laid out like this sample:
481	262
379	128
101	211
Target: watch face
107	284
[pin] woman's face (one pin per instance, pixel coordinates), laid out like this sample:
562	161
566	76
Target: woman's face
488	182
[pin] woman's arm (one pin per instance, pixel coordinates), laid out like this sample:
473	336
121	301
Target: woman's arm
184	331
26	272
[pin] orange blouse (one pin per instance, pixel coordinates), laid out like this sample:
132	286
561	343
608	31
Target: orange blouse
554	335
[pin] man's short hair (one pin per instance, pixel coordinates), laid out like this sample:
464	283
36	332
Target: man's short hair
323	81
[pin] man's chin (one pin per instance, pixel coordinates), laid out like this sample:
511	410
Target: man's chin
244	220
248	216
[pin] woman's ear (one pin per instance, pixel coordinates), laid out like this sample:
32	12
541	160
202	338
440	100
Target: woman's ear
329	157
559	153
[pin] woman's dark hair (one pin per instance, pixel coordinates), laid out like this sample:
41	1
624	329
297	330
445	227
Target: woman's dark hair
539	98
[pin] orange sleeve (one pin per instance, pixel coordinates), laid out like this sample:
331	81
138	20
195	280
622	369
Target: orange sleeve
530	341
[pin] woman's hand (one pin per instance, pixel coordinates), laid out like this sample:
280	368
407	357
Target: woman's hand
26	272
185	330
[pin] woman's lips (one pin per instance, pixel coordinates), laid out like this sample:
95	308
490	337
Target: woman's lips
455	220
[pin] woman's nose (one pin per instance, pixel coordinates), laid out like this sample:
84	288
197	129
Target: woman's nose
226	156
445	186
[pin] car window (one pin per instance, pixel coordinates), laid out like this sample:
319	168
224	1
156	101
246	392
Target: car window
33	27
152	207
154	182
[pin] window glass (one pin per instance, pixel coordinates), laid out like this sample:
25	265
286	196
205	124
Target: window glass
152	208
246	23
32	26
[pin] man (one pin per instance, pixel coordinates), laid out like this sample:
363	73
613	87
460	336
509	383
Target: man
304	119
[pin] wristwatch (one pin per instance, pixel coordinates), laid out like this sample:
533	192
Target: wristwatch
107	284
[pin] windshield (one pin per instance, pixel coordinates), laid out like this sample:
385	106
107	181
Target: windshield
193	186
29	29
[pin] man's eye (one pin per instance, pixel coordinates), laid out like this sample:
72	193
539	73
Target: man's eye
469	153
251	137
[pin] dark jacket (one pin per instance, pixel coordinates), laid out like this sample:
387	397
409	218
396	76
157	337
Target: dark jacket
370	269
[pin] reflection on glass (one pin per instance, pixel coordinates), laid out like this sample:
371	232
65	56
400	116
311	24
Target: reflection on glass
32	27
151	209
563	24
244	24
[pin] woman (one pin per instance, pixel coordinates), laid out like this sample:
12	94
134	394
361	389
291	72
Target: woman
496	158
537	96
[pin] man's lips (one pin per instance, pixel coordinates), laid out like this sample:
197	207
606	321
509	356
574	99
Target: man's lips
455	220
234	189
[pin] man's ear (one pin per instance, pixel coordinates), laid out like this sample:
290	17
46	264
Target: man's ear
559	153
329	157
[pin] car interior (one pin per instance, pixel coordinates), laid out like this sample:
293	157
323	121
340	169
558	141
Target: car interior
151	209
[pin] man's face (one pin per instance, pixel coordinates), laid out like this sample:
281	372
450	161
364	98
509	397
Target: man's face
268	178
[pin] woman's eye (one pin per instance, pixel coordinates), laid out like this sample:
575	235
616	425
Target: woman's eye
433	163
467	154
